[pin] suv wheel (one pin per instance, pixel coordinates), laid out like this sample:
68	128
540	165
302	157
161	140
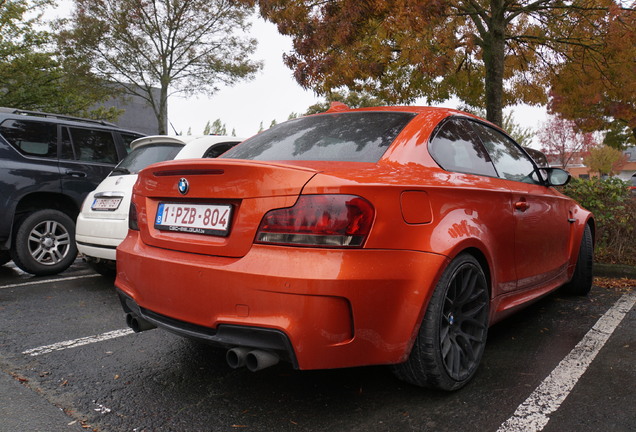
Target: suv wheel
45	243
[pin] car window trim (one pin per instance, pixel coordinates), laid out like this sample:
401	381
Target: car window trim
480	143
542	182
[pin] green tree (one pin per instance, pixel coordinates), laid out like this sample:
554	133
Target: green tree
489	54
216	128
18	28
619	136
605	160
522	135
177	46
34	76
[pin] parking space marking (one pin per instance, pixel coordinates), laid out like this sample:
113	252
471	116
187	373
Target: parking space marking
533	414
73	343
37	282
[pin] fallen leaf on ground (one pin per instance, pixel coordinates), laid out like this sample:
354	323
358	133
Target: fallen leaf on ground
616	283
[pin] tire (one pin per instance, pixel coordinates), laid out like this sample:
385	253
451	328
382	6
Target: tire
44	243
581	282
5	257
451	340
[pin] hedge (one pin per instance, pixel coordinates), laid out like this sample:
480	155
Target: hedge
614	209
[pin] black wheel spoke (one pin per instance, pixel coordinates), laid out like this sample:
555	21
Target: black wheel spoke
454	358
475	310
466	348
447	346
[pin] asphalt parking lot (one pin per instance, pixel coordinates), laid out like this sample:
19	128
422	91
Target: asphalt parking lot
68	363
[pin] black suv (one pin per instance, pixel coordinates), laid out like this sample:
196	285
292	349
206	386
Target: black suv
48	164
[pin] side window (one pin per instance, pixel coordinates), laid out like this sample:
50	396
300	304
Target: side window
66	148
509	159
94	145
456	147
31	138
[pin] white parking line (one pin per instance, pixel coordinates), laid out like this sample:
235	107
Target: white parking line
73	343
41	281
533	414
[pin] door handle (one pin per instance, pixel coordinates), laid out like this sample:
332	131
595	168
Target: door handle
78	174
522	206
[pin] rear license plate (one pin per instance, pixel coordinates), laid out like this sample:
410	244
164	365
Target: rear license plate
105	204
212	219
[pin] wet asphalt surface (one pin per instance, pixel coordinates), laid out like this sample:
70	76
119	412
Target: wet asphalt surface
156	381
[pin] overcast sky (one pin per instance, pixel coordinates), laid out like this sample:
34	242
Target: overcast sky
273	94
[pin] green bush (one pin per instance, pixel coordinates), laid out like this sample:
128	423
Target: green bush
614	210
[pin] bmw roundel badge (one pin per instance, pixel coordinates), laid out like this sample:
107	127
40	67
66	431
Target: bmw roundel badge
183	186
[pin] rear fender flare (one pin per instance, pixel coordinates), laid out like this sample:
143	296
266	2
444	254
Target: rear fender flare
471	246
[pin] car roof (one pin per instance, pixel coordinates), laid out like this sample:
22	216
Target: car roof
434	114
19	114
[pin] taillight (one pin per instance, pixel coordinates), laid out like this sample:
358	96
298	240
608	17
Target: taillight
132	217
319	220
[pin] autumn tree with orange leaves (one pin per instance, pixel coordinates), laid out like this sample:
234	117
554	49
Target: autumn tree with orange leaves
597	87
490	54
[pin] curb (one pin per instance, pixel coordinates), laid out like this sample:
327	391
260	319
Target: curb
614	270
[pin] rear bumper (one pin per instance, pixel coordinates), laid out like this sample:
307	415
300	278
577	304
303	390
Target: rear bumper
99	238
225	335
327	308
96	250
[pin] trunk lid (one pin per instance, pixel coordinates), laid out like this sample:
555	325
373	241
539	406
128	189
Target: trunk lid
248	189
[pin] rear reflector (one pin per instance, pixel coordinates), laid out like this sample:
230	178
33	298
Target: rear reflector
319	220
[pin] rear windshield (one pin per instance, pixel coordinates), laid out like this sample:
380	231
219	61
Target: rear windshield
141	157
355	137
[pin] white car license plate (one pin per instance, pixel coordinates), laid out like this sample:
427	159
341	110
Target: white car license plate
194	218
105	204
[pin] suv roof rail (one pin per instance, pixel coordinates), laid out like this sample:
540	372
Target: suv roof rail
58	116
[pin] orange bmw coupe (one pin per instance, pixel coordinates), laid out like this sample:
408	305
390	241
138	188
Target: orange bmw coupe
386	235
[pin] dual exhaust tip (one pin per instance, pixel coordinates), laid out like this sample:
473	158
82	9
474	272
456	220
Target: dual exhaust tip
138	324
253	359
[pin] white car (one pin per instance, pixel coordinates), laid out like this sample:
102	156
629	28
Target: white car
103	220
